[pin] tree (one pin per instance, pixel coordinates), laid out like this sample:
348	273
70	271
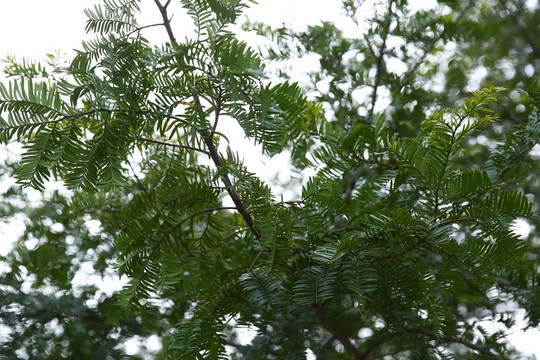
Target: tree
393	248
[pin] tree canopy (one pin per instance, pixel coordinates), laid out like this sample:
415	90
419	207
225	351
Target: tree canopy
421	133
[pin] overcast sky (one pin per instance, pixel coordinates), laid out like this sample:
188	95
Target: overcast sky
32	28
35	27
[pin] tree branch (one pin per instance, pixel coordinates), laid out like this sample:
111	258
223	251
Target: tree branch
212	150
391	353
445	339
450	339
166	20
237	200
378	343
380	58
328	324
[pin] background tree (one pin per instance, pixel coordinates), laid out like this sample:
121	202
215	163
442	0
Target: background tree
51	312
394	247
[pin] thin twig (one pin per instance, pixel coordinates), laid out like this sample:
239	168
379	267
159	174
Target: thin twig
374	162
178	146
217	111
256	259
138	29
139	182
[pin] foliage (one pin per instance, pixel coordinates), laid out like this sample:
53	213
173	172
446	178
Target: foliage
404	231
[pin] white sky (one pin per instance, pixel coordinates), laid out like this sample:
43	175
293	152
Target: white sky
32	28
